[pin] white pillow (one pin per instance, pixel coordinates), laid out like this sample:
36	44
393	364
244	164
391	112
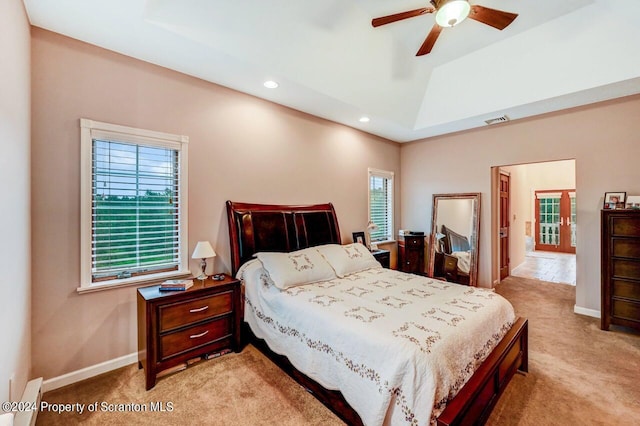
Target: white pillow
348	259
296	268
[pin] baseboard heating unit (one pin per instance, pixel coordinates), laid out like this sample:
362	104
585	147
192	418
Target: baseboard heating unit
32	396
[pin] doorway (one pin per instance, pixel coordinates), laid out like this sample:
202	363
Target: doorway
539	220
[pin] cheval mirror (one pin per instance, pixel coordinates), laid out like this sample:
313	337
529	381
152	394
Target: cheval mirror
455	227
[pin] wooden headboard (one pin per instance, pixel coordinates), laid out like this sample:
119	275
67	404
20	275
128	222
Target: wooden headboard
265	227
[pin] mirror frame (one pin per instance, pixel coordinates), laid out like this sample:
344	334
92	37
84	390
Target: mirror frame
473	270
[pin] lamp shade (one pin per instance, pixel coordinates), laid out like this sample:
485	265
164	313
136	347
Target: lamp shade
203	250
452	12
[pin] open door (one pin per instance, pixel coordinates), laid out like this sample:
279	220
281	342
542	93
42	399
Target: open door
504	225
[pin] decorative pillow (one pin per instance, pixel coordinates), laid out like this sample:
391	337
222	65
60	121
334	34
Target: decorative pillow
296	268
348	259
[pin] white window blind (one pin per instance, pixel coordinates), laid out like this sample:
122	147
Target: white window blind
381	204
135	210
134	193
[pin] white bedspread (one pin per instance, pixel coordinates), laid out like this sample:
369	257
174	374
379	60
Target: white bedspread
398	346
464	260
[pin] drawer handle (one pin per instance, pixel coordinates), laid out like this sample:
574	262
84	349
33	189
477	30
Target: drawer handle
204	308
195	336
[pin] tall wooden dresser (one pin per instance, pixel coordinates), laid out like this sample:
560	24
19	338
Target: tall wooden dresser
411	253
620	268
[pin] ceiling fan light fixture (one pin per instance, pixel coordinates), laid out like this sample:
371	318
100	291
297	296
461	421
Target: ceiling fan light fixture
452	12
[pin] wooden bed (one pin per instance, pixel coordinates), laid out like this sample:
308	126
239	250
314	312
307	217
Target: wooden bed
259	227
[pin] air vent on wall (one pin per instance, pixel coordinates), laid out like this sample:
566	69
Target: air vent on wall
496	120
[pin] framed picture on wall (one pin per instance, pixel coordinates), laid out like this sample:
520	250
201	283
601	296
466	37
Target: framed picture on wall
614	200
358	237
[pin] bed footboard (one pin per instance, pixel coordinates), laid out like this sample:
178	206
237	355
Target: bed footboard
474	402
472	405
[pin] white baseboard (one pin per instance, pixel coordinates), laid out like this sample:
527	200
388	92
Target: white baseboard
586	311
87	372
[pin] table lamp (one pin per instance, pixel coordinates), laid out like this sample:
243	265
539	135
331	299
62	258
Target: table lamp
203	251
371	226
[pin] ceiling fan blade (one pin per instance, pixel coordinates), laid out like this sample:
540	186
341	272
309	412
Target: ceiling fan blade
430	40
400	16
493	17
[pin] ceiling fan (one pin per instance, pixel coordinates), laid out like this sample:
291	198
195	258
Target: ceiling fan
448	14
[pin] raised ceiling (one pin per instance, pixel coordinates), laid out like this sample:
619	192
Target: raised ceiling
330	61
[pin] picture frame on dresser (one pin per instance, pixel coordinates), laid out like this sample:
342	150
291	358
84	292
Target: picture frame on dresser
633	202
614	200
359	237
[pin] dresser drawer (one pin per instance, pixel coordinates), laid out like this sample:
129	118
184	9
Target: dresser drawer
413	241
625	247
625	226
202	334
184	313
623	268
626	289
625	310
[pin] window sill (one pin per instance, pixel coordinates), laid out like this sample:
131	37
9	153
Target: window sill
383	242
138	281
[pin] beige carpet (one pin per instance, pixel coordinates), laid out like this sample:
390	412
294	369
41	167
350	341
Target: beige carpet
579	375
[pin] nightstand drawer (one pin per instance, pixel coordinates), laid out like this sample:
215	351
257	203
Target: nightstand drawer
193	337
184	313
450	263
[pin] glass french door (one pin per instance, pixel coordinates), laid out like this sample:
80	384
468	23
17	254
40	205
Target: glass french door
556	220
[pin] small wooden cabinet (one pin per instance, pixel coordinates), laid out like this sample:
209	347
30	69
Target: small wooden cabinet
411	254
445	267
620	268
177	326
382	256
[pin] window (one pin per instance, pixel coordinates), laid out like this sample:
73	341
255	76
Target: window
134	205
381	204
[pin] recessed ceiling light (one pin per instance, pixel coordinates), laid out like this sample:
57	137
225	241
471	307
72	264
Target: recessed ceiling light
364	119
270	84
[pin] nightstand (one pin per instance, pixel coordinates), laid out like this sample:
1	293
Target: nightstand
445	267
382	256
177	326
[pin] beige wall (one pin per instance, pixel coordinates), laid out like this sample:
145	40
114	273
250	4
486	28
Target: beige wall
602	138
15	285
241	148
525	180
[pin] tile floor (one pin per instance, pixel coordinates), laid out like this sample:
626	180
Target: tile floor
548	266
